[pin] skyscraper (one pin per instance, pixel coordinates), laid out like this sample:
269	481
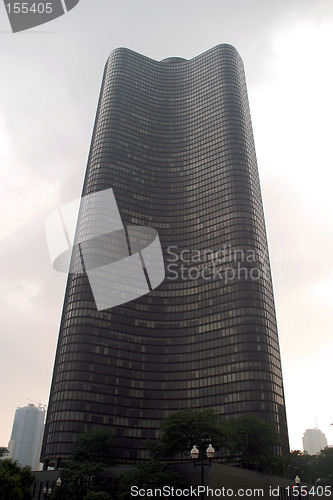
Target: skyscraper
314	441
173	139
26	438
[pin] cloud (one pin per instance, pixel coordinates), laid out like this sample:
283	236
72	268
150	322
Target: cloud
22	293
323	291
292	112
306	394
23	196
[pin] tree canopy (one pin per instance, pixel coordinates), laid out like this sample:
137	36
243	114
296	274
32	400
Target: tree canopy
92	452
182	429
246	439
254	441
95	446
312	469
148	475
324	467
15	481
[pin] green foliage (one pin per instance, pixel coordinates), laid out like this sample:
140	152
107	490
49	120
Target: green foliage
324	467
95	446
247	439
92	452
3	451
181	429
253	440
312	469
302	465
149	475
15	481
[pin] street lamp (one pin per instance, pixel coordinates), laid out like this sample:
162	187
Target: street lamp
47	492
298	482
210	452
58	484
195	455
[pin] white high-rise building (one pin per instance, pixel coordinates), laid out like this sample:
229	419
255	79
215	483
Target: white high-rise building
314	441
27	433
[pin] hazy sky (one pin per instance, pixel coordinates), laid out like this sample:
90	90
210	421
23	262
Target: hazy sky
49	86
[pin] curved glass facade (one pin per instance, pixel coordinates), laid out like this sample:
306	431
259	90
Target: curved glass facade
174	141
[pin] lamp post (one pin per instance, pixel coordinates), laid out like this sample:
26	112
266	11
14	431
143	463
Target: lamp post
47	492
58	484
298	482
195	455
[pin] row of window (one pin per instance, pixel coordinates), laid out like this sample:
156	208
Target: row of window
225	170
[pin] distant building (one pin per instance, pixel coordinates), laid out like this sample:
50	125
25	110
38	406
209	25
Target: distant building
25	441
314	441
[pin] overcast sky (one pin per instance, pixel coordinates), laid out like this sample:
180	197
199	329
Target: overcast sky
49	86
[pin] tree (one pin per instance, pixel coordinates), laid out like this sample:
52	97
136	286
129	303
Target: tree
252	440
15	481
312	469
182	429
148	476
92	452
3	451
302	465
324	467
95	446
247	439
